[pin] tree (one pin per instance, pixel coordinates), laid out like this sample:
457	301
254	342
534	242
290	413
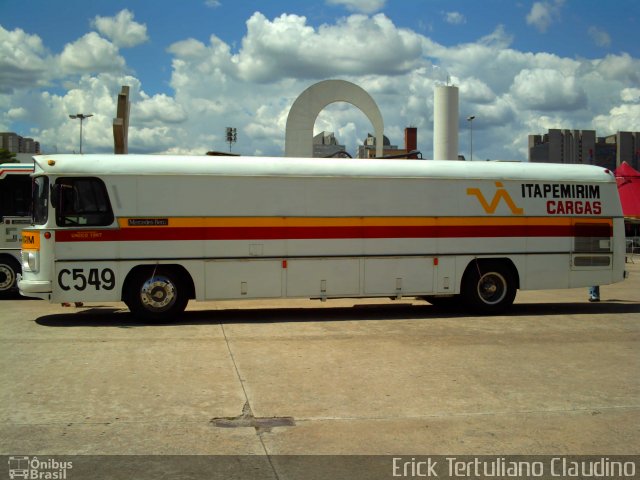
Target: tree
7	157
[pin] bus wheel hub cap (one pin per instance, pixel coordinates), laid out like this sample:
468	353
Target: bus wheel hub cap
6	277
491	288
158	293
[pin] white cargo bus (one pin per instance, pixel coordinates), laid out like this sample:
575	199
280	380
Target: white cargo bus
156	231
15	198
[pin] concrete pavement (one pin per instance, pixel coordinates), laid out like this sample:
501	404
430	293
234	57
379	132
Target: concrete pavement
558	375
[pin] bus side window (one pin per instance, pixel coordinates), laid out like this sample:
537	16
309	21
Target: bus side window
592	238
82	202
15	196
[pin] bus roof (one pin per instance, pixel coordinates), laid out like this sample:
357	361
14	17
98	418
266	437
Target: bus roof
314	167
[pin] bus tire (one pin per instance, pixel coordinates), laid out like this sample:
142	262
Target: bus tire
9	269
157	294
489	287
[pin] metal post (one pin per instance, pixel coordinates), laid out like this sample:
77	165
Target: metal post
81	120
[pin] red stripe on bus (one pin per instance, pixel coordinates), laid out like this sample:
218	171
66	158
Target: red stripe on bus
12	171
321	233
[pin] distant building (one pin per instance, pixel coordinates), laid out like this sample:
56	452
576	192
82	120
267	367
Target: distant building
10	141
326	145
627	148
368	149
563	146
606	152
16	144
582	146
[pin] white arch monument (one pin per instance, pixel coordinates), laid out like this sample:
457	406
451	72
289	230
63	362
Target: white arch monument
298	140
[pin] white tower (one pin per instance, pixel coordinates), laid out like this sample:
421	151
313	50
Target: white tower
445	123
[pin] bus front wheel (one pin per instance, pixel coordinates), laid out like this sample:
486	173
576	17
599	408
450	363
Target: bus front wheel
9	269
157	295
489	287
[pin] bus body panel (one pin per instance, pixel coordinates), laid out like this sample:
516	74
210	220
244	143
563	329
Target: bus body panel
272	228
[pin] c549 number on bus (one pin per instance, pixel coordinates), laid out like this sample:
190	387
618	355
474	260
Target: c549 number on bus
81	279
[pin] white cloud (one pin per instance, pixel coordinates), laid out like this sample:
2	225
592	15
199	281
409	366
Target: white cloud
191	48
499	38
158	139
630	95
455	18
23	60
543	14
18	113
624	117
213	3
548	90
251	86
288	47
363	6
122	30
476	91
158	110
622	67
499	113
91	53
599	37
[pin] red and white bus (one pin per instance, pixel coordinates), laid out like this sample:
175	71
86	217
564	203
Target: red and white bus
15	198
156	231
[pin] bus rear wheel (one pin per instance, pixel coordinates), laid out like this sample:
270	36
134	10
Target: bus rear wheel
9	269
489	287
157	295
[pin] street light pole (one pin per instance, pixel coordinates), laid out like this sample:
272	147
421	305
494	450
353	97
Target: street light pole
470	119
81	116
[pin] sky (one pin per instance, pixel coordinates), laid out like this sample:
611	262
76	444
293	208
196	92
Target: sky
195	67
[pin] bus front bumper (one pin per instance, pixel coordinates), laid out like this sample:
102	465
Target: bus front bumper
34	288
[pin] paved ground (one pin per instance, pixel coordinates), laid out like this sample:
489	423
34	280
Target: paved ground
558	375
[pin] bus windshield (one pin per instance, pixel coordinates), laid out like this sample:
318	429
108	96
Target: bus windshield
40	196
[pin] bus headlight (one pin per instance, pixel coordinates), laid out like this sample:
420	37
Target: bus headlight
30	261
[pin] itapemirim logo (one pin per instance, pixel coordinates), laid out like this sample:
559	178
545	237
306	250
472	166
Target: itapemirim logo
501	194
37	469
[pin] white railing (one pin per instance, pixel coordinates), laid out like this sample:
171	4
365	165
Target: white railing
633	247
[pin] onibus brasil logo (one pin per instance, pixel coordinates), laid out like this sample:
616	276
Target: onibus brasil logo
37	469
